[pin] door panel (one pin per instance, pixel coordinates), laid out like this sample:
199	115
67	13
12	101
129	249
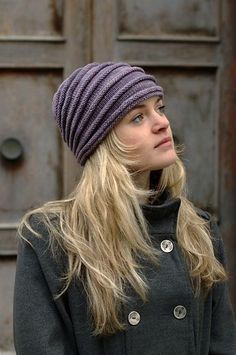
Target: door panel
168	18
7	274
25	112
35	176
191	106
40	43
42	18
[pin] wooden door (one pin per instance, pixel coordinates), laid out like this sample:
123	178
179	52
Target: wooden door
40	43
190	46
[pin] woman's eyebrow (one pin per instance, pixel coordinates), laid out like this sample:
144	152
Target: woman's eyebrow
143	105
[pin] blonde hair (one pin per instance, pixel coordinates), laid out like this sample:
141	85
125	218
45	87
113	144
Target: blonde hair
103	231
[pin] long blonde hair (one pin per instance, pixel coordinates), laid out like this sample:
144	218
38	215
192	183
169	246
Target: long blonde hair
103	231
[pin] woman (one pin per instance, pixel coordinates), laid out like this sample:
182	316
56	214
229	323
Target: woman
125	264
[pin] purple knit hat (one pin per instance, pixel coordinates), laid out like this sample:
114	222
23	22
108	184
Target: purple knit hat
94	98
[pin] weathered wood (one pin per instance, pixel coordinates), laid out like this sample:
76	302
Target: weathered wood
32	54
40	43
7	275
77	29
190	47
172	53
25	17
26	116
168	18
104	30
227	137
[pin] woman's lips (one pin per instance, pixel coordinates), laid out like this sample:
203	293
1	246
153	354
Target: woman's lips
164	143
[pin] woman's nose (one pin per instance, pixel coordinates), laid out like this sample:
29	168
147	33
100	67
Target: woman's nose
160	122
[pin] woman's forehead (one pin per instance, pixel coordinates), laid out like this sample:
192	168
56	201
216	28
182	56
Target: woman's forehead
151	100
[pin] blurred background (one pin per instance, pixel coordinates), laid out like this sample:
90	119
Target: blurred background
189	45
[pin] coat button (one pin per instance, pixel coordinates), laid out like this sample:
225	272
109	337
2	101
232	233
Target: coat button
166	246
180	312
134	318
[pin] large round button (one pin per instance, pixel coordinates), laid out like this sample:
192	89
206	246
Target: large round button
134	318
167	246
180	312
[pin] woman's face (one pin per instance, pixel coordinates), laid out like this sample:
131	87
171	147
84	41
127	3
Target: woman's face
147	130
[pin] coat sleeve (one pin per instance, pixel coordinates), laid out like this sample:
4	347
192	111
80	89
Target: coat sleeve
223	328
39	325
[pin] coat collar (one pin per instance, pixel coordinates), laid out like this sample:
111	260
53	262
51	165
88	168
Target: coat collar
162	216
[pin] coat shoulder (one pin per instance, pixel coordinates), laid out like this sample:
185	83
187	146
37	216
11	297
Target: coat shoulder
36	232
35	225
204	214
215	233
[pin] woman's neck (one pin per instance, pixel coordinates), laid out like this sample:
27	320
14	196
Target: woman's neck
142	181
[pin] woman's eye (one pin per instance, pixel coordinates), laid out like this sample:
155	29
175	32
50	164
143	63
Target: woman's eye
161	109
137	119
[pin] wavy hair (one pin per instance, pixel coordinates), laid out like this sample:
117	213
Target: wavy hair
102	229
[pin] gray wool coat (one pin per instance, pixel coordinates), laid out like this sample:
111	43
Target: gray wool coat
172	322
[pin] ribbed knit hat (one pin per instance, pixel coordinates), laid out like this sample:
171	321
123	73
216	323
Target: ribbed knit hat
94	98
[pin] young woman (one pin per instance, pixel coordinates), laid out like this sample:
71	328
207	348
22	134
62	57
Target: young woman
126	264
